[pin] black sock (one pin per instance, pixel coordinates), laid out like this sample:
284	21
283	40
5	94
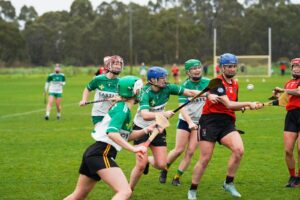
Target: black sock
229	179
194	187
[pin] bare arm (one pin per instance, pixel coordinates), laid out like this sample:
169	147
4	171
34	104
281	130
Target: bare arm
294	92
85	96
138	133
120	141
233	105
191	93
188	119
149	116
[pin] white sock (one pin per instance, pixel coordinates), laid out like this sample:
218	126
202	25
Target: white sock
58	115
47	113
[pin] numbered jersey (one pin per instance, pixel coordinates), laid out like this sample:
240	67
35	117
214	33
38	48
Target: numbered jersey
155	101
194	109
104	88
56	82
116	121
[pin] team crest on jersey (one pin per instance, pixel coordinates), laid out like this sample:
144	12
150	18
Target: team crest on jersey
152	103
101	87
220	90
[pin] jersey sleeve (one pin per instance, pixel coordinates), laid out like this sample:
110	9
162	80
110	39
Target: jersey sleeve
175	89
92	85
144	101
220	91
118	116
183	99
49	79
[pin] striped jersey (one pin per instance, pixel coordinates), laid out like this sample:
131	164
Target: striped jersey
117	121
154	101
194	108
104	88
56	82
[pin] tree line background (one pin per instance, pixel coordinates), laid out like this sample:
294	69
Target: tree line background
161	32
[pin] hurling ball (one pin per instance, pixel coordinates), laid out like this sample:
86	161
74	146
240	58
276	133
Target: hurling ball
250	87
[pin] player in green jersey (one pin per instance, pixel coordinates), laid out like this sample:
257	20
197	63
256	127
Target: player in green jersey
111	136
105	86
187	126
54	88
154	98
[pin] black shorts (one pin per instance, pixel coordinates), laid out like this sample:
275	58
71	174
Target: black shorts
213	127
98	156
292	121
183	125
159	140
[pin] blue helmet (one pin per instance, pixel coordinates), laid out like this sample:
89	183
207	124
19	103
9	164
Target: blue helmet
156	72
228	59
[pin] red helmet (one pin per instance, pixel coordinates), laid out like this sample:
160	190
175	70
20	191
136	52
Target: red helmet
115	59
295	61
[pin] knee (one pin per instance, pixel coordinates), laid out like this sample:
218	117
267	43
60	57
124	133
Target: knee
204	160
289	152
140	166
238	152
189	153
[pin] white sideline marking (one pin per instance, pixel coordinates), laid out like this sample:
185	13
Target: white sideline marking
28	113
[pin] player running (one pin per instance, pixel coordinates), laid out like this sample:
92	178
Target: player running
105	86
217	124
111	136
186	135
54	88
292	122
154	98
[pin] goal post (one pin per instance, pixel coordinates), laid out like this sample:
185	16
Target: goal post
248	65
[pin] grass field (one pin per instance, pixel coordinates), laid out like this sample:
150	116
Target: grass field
40	159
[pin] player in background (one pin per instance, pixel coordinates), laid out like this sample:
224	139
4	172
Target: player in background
105	86
154	98
103	69
217	124
98	161
54	88
187	126
175	73
143	72
291	134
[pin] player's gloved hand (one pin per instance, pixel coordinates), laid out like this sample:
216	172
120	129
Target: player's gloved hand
168	113
82	103
193	126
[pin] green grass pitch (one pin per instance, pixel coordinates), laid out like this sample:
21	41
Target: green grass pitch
40	159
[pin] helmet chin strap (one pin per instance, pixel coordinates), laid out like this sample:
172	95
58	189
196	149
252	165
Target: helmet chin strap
295	76
196	78
229	75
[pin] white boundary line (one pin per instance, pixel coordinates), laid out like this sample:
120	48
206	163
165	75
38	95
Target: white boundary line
28	113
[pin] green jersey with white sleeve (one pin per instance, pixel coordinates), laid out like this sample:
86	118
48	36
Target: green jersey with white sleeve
194	109
155	101
104	88
55	83
117	121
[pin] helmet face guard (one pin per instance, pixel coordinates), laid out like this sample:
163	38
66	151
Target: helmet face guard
115	60
191	64
157	73
228	60
295	62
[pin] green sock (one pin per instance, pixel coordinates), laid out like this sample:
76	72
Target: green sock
178	174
